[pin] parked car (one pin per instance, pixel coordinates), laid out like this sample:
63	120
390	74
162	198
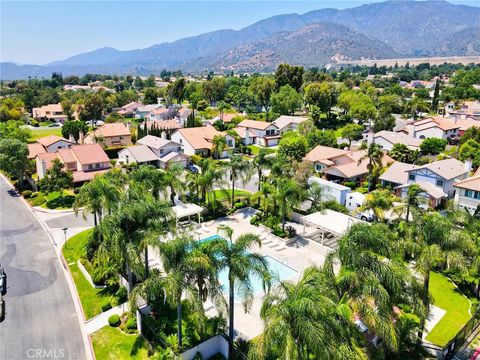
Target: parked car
3	281
193	168
55	125
2	308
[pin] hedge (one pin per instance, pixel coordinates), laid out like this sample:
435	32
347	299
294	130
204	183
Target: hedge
114	320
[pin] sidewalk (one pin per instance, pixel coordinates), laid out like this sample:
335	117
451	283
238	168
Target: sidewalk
101	320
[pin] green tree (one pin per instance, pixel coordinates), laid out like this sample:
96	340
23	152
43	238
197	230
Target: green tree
286	101
13	157
219	145
412	203
374	155
323	95
150	96
470	150
352	132
239	169
433	146
289	194
13	129
378	201
293	146
67	108
262	87
401	152
74	127
172	179
289	75
93	108
56	178
114	117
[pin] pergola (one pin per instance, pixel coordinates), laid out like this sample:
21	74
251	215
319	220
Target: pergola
187	210
329	222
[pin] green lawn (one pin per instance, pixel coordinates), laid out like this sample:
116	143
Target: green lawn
54	201
447	297
256	149
36	134
225	195
90	297
112	343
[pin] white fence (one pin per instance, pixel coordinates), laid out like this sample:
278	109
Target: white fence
208	348
88	277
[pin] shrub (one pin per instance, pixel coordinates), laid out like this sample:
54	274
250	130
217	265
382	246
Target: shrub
106	305
27	194
196	159
351	184
121	294
39	200
76	191
254	220
433	146
114	320
132	324
291	231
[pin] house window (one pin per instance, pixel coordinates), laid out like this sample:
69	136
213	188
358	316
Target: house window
440	183
319	167
476	195
411	177
97	166
161	151
180	141
230	143
90	166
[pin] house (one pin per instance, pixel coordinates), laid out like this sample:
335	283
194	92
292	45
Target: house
166	151
331	190
396	174
227	118
157	114
321	156
167	126
142	111
246	135
285	123
442	174
199	140
85	161
387	139
128	110
140	154
50	112
266	134
110	134
434	127
468	108
433	196
467	195
183	114
48	144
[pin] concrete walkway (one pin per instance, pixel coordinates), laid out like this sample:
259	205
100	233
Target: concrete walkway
101	320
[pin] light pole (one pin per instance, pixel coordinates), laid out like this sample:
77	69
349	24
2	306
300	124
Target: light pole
65	236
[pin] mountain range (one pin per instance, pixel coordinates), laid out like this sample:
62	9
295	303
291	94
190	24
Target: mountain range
391	29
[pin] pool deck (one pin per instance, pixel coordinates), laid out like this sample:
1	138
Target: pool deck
296	256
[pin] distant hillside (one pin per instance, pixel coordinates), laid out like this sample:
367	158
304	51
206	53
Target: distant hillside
379	30
319	43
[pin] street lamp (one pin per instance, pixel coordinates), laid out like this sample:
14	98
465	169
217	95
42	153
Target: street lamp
65	236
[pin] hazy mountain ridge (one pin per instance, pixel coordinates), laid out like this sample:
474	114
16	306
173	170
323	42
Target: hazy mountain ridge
378	30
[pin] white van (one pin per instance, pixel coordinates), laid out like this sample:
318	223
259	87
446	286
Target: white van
354	201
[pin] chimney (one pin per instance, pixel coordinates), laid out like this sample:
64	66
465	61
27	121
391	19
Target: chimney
468	166
164	135
42	171
71	138
247	136
80	137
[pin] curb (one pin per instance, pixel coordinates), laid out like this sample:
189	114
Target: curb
52	211
87	343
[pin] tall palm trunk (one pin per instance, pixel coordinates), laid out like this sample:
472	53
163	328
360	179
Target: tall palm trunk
426	303
146	261
172	195
129	279
408	212
231	304
179	321
233	190
95	223
259	184
284	214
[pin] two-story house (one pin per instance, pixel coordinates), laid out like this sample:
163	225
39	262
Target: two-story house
200	140
155	151
143	111
467	195
111	134
266	134
51	112
285	123
85	161
442	174
49	144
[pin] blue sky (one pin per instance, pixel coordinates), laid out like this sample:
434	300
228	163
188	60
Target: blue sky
43	31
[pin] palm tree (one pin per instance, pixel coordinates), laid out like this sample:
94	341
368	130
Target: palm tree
289	195
90	199
240	169
374	155
219	145
242	264
173	180
378	201
442	245
150	177
261	162
306	320
316	194
417	105
412	202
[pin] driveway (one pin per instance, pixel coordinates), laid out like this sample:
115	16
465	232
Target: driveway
40	320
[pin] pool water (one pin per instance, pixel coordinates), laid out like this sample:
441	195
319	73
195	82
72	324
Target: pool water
279	270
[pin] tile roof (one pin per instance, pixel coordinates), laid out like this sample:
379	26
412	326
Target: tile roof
163	124
34	149
155	142
171	155
200	137
48	158
242	132
429	188
321	152
80	176
89	154
448	168
112	129
357	166
397	173
51	139
253	124
285	120
141	153
399	138
471	183
66	155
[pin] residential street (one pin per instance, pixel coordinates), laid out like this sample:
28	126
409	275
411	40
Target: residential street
40	320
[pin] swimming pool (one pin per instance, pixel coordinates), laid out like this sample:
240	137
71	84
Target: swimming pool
279	270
